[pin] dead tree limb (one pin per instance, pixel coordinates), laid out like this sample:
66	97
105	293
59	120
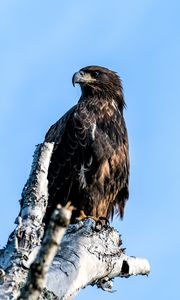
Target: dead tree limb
38	270
87	255
91	256
24	241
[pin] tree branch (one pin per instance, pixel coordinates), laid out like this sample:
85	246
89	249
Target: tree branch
24	241
38	270
88	255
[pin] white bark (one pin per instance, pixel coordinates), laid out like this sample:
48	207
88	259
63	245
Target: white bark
24	241
87	255
38	270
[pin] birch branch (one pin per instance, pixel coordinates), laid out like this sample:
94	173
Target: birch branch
38	270
24	241
88	256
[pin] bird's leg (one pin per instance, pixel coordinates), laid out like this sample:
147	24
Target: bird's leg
82	216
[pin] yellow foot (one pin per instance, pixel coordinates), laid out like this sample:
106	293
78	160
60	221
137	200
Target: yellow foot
82	216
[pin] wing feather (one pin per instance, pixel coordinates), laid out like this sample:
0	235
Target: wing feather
70	135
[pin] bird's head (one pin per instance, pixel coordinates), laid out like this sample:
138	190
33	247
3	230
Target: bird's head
100	82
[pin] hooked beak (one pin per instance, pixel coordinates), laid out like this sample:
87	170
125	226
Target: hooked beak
78	77
81	77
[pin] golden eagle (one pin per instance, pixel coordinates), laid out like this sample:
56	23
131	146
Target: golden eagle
90	162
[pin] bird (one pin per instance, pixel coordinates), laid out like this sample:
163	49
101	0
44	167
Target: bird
89	165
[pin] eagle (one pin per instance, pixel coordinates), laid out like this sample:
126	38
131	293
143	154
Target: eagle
89	166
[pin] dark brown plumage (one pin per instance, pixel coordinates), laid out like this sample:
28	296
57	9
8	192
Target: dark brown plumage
90	162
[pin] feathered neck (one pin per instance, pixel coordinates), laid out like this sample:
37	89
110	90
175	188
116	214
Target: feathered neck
108	94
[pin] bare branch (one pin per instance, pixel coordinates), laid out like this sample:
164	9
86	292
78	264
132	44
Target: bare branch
88	256
24	241
59	221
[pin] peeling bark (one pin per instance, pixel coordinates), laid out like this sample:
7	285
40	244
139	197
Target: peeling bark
24	241
87	255
38	270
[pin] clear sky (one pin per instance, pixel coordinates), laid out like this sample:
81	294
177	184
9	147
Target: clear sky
42	43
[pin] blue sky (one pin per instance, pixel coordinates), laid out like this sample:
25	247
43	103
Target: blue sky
42	44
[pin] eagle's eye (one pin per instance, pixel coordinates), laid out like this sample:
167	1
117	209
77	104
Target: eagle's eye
95	74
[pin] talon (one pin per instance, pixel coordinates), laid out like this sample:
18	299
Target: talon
100	221
82	216
106	221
